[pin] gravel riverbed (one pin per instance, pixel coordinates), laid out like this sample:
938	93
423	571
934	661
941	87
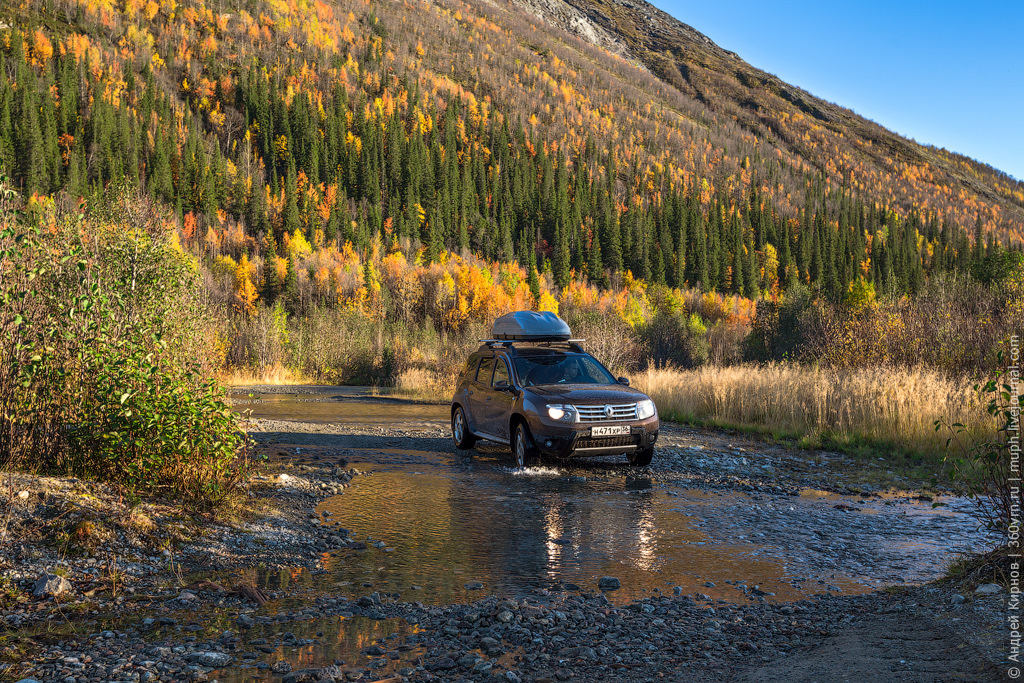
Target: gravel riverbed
145	592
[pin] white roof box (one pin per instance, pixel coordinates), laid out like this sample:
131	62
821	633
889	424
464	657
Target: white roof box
530	326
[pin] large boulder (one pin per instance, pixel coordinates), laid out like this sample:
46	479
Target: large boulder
51	586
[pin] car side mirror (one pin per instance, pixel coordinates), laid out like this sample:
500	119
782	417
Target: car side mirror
623	380
502	385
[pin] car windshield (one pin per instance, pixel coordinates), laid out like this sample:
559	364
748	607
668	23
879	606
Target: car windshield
561	369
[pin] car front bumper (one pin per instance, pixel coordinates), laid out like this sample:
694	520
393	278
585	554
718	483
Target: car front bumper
575	441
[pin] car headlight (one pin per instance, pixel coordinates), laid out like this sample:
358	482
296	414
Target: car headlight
562	413
646	409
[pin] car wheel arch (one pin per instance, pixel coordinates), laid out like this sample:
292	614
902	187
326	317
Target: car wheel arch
456	405
516	419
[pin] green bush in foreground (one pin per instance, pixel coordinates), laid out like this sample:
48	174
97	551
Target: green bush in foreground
101	359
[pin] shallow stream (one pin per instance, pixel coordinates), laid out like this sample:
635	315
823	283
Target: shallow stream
459	526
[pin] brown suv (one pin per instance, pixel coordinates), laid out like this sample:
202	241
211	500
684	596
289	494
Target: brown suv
549	396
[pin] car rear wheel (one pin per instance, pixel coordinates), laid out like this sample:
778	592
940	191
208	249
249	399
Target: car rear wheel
523	451
460	430
641	458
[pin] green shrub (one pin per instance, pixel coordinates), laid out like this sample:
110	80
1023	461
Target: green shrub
103	357
678	338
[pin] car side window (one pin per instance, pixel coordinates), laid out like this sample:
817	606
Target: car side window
470	368
500	373
483	374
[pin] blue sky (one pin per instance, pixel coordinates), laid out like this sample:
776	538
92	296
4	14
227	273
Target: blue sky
943	73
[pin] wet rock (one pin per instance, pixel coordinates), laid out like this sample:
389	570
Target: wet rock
609	583
211	659
505	616
469	660
957	599
443	664
308	676
51	586
988	589
244	621
281	667
474	586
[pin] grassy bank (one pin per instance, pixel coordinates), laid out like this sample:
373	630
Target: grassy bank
880	409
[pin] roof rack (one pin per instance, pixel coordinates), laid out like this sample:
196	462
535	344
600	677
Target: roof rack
573	344
509	342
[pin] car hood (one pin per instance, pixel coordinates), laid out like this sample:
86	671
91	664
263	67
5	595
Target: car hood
587	393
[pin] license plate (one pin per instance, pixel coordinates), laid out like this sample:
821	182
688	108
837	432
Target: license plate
618	430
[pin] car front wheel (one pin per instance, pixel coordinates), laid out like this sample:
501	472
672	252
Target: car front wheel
460	430
523	451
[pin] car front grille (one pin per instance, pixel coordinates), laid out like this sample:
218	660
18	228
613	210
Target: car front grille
626	411
608	442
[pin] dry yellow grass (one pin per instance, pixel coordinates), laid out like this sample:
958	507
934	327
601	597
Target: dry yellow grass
276	375
422	384
880	405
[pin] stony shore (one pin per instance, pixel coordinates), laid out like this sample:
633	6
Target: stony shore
145	592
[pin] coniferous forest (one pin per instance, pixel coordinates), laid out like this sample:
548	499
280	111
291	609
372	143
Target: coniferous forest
435	164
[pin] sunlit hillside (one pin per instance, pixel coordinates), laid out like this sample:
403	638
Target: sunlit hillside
275	133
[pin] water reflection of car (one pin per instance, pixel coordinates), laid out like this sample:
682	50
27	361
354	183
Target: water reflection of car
534	388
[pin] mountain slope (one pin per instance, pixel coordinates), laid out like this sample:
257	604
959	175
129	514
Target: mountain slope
283	130
826	136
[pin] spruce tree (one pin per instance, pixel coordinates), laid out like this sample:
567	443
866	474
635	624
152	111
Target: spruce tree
561	264
750	273
738	257
595	265
291	279
290	219
532	280
270	286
